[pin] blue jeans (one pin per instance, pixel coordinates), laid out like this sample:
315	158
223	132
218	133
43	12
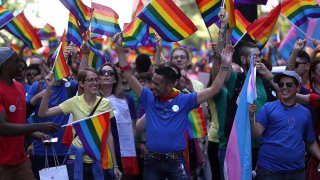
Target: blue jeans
264	174
87	172
160	169
221	156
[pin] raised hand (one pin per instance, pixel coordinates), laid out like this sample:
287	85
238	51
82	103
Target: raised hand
117	40
316	44
223	16
158	41
299	45
7	42
49	79
85	48
226	55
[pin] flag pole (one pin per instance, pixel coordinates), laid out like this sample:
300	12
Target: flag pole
239	39
86	118
297	27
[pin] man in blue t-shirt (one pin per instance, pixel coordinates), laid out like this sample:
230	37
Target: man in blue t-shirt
166	114
285	127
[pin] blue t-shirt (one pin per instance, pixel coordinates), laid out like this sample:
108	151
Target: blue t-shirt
166	123
58	95
286	131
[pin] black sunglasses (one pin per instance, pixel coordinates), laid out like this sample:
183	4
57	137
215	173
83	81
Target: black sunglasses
288	84
106	73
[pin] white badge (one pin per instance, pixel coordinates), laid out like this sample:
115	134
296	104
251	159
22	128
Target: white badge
67	84
12	108
274	94
175	108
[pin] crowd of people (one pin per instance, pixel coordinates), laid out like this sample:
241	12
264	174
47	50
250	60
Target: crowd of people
149	104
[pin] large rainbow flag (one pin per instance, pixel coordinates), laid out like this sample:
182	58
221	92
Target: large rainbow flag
298	11
82	12
209	10
5	16
197	126
167	20
240	28
261	29
60	67
93	134
73	34
104	20
21	28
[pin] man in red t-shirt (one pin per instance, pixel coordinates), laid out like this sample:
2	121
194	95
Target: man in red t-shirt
14	163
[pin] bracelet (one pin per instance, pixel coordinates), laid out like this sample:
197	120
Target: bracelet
225	68
270	78
125	68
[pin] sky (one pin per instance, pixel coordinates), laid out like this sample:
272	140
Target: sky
54	13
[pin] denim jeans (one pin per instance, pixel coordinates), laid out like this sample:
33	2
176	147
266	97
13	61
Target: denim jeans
161	169
264	174
221	156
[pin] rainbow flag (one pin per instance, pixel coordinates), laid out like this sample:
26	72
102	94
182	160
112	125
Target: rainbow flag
73	33
104	20
46	32
298	11
15	47
261	29
240	28
197	126
209	10
167	20
5	16
253	2
21	28
149	50
93	134
82	12
230	10
60	67
96	59
53	42
136	31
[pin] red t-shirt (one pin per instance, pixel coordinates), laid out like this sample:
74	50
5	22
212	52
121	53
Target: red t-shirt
314	100
13	103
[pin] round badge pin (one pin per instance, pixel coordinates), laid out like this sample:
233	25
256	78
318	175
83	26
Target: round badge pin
274	94
175	108
12	108
67	84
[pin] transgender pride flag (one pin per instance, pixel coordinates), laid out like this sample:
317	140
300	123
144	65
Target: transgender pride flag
252	90
238	164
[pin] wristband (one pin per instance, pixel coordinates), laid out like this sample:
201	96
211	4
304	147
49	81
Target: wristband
125	68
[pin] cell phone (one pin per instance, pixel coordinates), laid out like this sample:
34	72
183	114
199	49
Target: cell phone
52	140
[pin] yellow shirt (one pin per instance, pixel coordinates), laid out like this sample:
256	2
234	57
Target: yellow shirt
79	109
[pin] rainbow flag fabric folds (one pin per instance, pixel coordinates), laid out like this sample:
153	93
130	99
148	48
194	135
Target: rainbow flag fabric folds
21	28
261	29
82	12
238	163
209	10
5	16
93	133
96	59
240	28
60	67
167	20
298	11
197	126
46	32
230	10
73	33
104	20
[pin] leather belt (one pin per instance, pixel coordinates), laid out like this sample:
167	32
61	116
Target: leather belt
164	156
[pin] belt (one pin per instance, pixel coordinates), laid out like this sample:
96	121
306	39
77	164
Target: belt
164	156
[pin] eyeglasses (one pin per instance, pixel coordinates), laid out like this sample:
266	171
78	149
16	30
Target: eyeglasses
288	84
106	73
298	63
181	57
92	80
256	56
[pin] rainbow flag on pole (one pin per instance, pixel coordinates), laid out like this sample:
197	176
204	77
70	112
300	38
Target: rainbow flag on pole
93	134
261	29
60	67
5	16
104	20
298	11
240	28
209	10
230	10
96	59
197	126
21	28
73	33
82	12
46	32
167	20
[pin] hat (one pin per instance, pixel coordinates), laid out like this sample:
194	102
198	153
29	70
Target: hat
292	74
5	54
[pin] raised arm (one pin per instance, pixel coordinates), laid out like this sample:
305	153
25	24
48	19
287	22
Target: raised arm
125	67
298	46
85	50
44	111
157	57
226	59
7	42
316	50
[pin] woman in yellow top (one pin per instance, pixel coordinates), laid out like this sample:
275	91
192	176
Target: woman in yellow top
80	107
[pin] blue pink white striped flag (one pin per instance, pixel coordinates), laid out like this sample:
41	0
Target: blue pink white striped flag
252	90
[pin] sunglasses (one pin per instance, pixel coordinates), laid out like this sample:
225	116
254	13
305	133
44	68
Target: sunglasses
298	63
106	73
288	84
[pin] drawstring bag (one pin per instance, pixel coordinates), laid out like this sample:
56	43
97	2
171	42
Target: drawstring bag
58	172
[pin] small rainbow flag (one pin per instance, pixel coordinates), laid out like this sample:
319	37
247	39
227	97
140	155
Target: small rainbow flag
298	11
104	20
53	42
23	30
149	50
46	32
209	10
261	29
96	59
93	133
15	47
230	10
197	126
60	67
167	20
82	12
5	16
73	33
240	28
